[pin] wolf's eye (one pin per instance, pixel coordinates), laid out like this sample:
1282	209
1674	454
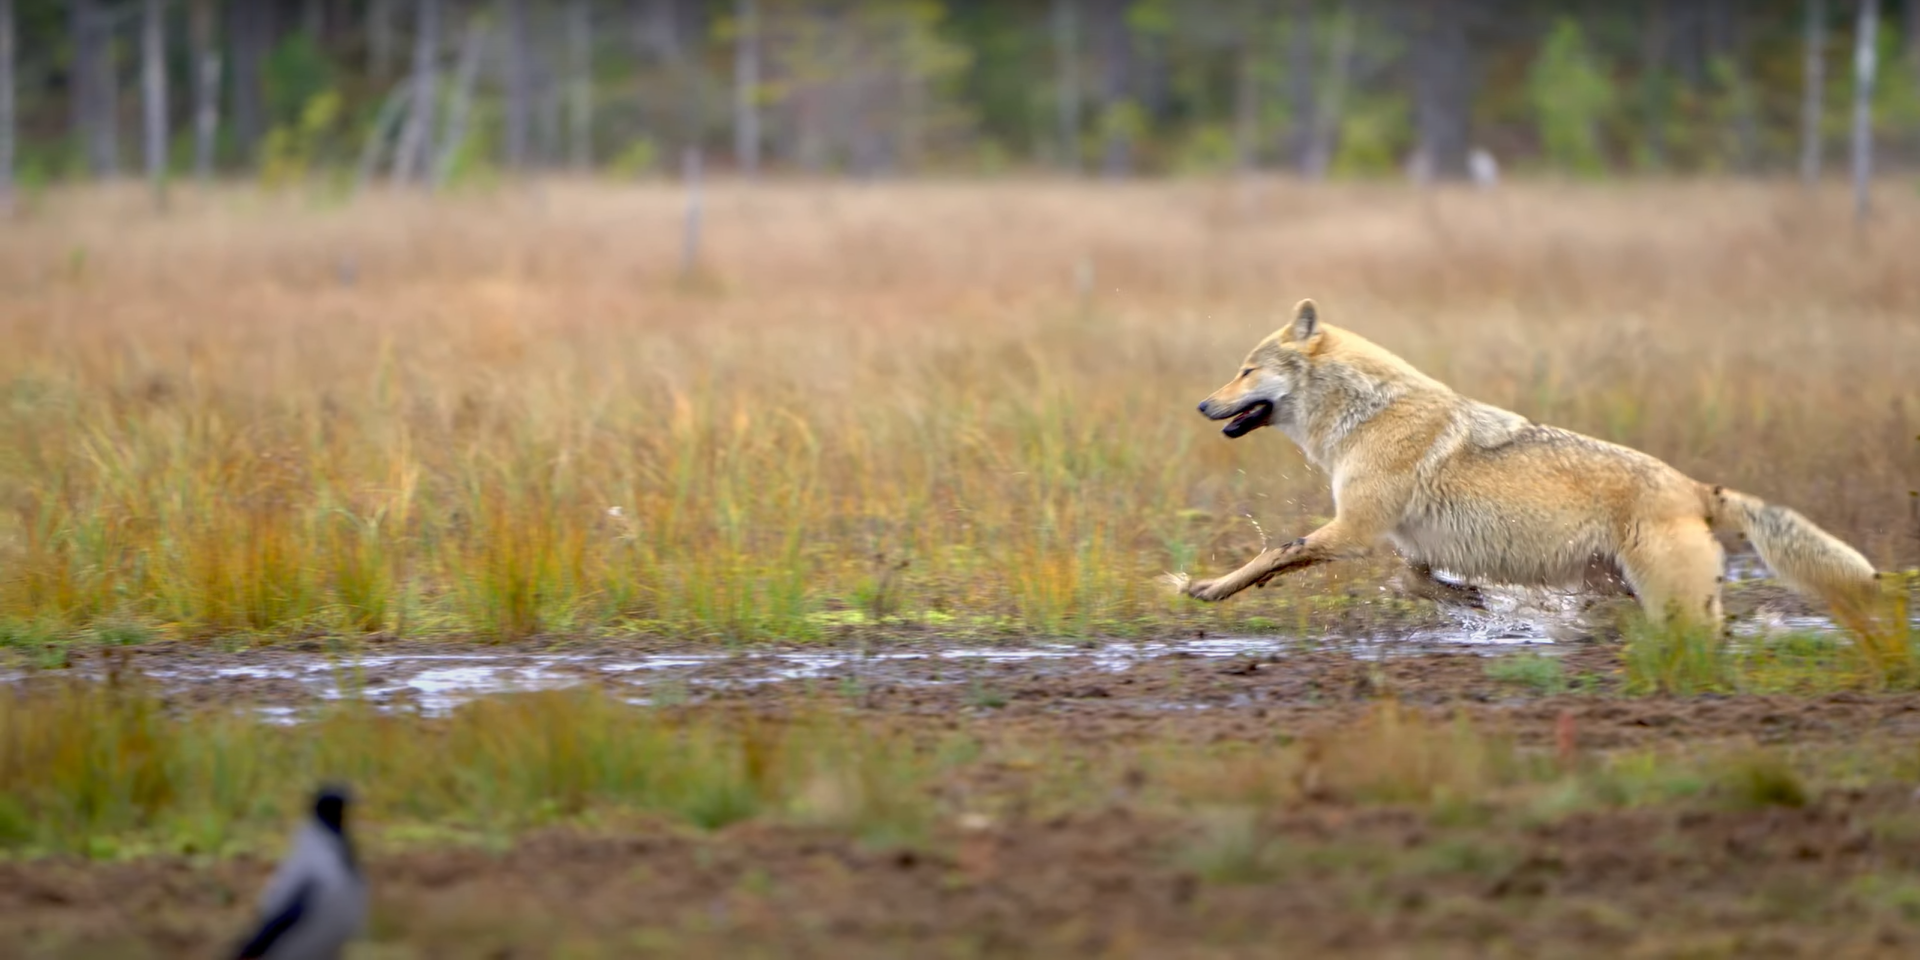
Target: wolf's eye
1248	372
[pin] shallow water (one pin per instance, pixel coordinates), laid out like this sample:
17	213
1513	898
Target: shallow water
437	682
434	683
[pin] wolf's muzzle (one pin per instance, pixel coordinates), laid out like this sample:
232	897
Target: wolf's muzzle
1245	418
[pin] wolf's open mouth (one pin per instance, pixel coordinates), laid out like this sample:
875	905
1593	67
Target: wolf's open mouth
1252	418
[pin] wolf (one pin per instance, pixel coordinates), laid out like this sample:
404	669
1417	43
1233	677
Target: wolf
1486	494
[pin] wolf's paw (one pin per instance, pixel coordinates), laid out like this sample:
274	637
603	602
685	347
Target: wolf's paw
1204	590
1435	590
1469	597
1183	585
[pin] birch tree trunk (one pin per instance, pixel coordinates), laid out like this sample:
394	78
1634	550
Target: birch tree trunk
746	87
1864	67
657	30
549	91
247	29
94	125
411	159
663	30
1912	33
1116	82
1327	116
1443	86
519	83
380	38
391	110
690	230
1298	148
7	57
1740	87
1066	53
153	95
473	49
1815	81
206	87
1246	98
1654	43
580	85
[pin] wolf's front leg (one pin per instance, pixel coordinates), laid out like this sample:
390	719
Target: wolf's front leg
1257	572
1331	542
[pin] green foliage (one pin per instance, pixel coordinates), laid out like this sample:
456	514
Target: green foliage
473	161
1651	120
906	55
1896	91
36	167
1006	85
26	633
941	80
641	156
1375	131
1152	18
1122	121
1208	149
295	73
1733	112
291	152
1571	97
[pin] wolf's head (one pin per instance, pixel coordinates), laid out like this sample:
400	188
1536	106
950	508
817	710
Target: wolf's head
1264	392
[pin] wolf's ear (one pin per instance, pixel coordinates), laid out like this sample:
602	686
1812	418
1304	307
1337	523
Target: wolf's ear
1306	322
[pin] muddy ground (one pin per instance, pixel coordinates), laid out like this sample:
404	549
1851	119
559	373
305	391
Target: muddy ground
1829	879
1837	876
1199	687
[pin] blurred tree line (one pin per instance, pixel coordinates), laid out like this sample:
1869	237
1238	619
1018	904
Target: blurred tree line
433	91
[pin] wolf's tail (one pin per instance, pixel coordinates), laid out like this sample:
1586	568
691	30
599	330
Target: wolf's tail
1809	559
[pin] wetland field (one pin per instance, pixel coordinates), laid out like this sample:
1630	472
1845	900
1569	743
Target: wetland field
803	597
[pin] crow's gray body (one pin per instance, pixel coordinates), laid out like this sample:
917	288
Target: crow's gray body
316	901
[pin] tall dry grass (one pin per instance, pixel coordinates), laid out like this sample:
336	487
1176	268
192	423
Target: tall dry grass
507	414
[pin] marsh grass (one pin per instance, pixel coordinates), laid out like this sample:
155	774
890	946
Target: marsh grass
1231	849
101	770
515	422
1681	660
1543	675
1877	653
109	770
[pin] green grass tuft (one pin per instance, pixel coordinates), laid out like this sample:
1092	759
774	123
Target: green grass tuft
1544	675
1676	660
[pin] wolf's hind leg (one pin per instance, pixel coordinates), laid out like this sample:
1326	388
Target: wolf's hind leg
1676	571
1417	580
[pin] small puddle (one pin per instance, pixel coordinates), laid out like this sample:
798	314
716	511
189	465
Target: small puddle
434	683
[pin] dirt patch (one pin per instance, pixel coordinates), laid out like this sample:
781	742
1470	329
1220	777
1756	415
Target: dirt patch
1830	878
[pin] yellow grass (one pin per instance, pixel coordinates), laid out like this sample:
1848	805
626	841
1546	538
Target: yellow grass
508	414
